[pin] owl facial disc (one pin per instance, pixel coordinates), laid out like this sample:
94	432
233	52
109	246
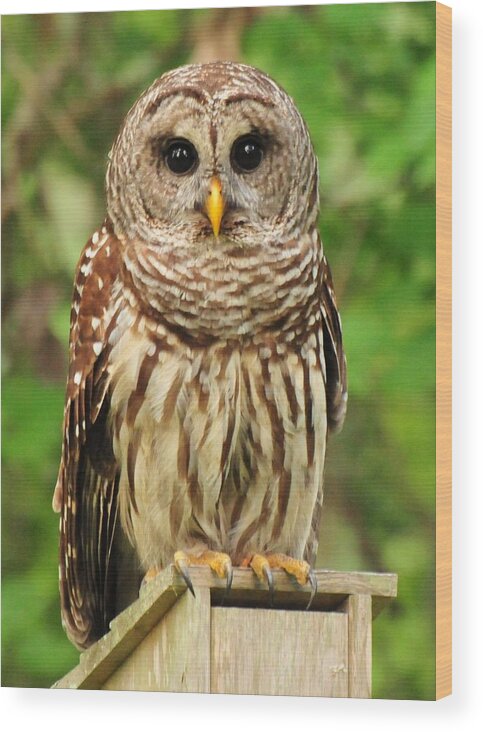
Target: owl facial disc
209	152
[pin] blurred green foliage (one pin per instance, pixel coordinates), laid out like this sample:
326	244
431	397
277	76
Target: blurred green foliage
364	79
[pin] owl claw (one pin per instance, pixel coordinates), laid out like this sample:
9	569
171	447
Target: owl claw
181	562
229	580
262	565
218	562
269	577
187	579
312	579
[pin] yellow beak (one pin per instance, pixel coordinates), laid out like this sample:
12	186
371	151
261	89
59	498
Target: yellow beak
215	205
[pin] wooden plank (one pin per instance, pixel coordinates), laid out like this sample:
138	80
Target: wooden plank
175	655
359	615
278	652
130	628
328	582
443	350
127	631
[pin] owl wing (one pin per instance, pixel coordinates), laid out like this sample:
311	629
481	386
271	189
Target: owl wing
335	361
86	493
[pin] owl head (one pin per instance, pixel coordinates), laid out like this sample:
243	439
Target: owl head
213	153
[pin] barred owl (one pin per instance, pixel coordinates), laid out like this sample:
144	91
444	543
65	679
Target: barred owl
206	361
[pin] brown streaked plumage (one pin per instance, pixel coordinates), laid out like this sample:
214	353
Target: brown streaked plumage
205	370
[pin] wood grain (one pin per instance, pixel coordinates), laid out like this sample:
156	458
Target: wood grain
175	655
167	640
443	351
359	614
127	631
284	652
245	582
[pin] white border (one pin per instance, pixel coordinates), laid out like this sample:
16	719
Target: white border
72	711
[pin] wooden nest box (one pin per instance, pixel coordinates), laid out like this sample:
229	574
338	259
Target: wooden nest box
169	640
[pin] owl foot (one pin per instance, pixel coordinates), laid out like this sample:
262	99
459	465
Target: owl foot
262	565
219	562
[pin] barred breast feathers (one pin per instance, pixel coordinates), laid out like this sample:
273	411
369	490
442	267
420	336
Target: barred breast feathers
225	293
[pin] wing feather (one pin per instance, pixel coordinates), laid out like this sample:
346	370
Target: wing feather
335	361
86	492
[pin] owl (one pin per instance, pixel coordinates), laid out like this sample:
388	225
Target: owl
206	364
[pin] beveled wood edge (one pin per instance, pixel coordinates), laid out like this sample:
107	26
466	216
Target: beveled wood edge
127	630
328	581
443	684
158	596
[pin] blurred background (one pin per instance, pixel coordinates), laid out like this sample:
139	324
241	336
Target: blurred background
363	76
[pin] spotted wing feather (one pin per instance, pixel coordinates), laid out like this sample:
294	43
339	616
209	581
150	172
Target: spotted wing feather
87	484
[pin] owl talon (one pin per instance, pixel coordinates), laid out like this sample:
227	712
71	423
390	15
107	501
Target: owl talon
312	579
181	562
185	575
262	565
218	562
269	577
229	579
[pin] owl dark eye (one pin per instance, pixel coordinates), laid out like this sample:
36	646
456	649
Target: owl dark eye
180	157
247	153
